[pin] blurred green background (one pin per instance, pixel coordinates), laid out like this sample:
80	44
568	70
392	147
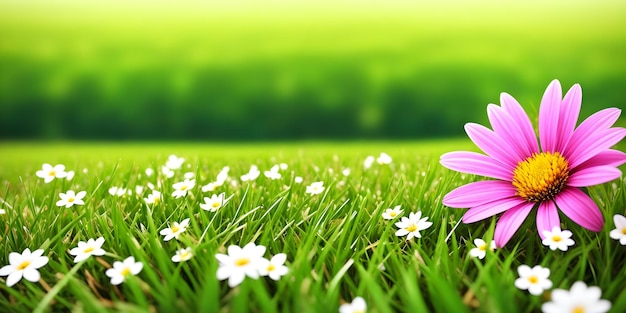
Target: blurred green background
286	70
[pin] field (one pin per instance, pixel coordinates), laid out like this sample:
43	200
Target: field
337	245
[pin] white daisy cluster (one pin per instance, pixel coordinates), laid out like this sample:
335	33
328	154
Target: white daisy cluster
248	261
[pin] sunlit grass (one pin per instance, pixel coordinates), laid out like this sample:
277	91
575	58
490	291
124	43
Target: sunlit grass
337	243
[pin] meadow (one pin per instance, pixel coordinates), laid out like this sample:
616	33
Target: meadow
337	244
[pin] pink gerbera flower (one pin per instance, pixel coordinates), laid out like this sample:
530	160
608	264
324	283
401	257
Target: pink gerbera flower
544	176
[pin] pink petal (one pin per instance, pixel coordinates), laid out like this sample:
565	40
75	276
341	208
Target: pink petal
594	144
478	193
510	221
599	121
486	210
568	115
549	117
580	208
477	164
491	144
591	176
525	127
506	127
547	217
606	157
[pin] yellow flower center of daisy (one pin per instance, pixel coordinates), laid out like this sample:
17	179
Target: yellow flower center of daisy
183	187
52	173
541	177
70	200
242	262
482	247
125	271
271	267
23	265
175	228
393	213
578	309
216	204
624	231
411	228
89	249
533	279
184	254
556	238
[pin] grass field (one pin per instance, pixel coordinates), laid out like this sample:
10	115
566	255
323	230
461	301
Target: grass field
337	245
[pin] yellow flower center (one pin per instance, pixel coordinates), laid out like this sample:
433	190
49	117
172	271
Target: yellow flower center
23	265
125	271
411	228
624	231
183	187
52	173
556	238
541	177
533	279
482	247
216	204
70	200
89	249
184	254
175	228
578	309
393	213
271	267
242	262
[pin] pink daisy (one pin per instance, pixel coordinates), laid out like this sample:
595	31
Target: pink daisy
530	175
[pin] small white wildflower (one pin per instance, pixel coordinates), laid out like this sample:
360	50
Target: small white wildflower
273	173
154	197
579	299
315	188
384	158
181	188
619	233
149	172
210	187
368	162
346	172
70	198
535	279
189	175
273	268
23	265
49	172
252	174
390	214
357	305
168	172
117	191
557	239
121	270
87	249
481	248
174	230
412	225
214	203
69	175
239	263
174	162
182	255
298	180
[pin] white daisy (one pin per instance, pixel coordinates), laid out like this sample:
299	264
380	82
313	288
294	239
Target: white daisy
181	188
619	233
273	173
214	203
411	226
384	158
252	174
182	255
315	188
174	230
535	279
87	249
49	172
298	180
390	214
358	305
579	299
273	268
70	198
174	162
23	265
557	239
368	162
481	248
239	263
154	197
168	172
121	270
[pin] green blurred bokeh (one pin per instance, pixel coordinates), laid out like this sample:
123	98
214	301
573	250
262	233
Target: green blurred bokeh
259	70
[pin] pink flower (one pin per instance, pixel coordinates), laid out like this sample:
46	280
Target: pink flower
531	175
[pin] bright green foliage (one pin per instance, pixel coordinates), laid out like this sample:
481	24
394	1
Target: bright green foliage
336	242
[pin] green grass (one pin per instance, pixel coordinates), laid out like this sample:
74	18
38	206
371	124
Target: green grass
335	242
